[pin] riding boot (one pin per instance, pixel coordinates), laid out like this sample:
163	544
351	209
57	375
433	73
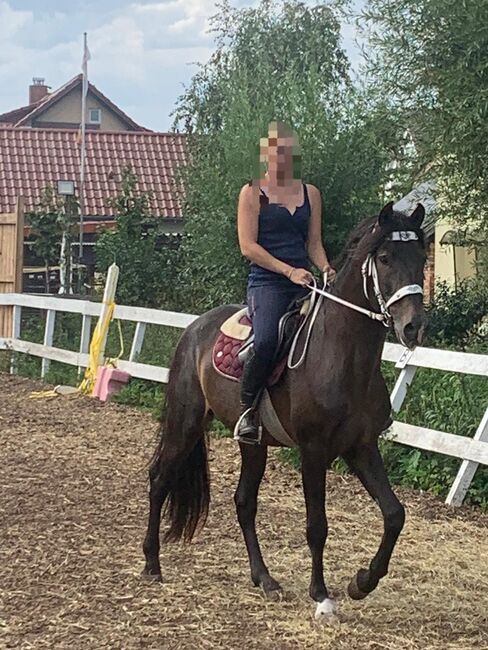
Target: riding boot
253	380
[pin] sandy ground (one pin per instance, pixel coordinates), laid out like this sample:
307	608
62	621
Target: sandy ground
73	511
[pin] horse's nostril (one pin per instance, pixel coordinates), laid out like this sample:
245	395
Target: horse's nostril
410	331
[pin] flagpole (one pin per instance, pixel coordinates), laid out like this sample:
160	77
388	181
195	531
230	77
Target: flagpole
84	91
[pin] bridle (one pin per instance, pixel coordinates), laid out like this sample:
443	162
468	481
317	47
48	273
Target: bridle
368	271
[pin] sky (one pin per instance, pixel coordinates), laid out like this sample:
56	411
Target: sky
143	53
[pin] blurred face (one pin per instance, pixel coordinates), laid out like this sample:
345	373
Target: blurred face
279	152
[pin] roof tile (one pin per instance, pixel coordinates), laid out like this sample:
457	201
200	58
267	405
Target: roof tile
33	158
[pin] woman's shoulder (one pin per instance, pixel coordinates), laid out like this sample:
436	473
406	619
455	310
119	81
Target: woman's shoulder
250	186
312	190
249	194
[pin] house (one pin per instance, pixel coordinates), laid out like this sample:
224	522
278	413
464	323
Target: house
448	260
32	158
40	146
61	109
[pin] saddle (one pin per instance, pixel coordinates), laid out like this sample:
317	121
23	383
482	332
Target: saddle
235	340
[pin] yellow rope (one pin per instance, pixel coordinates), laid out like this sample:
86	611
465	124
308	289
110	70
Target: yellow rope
43	393
113	361
99	335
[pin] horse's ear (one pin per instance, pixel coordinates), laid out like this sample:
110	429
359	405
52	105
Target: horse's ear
385	214
418	215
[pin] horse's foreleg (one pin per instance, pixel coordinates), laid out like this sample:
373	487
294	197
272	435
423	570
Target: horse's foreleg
252	469
313	478
367	464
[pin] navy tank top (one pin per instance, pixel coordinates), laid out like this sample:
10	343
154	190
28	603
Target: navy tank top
284	236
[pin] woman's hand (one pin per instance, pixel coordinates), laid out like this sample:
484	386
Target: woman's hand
300	276
330	273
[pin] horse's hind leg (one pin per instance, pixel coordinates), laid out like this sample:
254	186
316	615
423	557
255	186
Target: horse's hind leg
252	469
367	464
178	471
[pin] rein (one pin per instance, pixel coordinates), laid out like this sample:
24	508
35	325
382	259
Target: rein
368	270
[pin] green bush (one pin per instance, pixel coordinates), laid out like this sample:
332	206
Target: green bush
455	315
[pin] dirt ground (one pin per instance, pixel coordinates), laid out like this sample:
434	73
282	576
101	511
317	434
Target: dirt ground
73	512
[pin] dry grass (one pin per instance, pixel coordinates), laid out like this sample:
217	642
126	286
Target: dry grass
73	511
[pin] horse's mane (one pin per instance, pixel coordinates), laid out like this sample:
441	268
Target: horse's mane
365	238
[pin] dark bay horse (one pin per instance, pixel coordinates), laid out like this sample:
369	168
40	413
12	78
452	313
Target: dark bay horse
335	404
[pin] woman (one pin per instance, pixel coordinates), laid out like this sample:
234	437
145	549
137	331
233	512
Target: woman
279	228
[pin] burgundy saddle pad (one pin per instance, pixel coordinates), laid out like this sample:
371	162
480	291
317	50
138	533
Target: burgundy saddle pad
227	363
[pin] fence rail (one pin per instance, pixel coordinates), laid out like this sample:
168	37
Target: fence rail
471	451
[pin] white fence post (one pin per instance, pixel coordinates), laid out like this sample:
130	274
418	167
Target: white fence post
85	337
48	339
137	341
16	320
404	380
108	298
468	468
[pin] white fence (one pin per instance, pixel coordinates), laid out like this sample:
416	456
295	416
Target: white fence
472	451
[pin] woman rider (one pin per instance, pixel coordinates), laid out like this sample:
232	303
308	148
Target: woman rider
279	229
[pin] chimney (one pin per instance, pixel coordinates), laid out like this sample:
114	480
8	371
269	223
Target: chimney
37	90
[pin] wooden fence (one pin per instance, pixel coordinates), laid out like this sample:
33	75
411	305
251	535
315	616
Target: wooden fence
471	451
11	260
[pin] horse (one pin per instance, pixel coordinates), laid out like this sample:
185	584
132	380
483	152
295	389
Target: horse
336	404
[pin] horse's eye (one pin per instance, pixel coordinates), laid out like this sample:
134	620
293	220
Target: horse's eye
383	258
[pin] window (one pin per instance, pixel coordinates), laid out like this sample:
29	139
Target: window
94	116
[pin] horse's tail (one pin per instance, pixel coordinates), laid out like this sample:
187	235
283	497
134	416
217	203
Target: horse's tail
189	496
181	458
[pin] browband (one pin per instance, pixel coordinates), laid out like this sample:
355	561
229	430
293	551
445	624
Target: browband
403	235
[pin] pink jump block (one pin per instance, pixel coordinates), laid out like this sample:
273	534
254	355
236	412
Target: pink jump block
109	381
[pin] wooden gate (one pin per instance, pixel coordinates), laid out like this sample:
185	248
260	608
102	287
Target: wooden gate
11	261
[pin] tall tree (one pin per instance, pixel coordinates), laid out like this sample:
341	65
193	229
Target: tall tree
277	60
46	231
429	58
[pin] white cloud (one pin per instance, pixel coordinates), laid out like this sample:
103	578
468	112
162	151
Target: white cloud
12	21
146	46
141	51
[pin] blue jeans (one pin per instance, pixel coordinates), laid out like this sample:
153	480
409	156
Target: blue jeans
266	305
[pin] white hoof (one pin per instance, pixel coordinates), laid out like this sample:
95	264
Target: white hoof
326	610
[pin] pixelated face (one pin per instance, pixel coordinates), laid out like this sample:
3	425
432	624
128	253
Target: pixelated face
280	153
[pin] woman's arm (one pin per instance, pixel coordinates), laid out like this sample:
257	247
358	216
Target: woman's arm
315	247
247	229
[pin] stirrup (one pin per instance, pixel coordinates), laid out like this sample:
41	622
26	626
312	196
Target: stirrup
242	438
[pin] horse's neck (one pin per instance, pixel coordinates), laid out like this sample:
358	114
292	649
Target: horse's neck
349	285
347	330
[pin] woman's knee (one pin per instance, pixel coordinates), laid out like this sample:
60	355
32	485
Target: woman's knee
265	346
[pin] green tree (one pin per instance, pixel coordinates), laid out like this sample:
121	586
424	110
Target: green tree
147	266
278	60
429	58
46	231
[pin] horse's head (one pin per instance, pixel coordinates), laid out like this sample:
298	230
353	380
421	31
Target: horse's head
400	259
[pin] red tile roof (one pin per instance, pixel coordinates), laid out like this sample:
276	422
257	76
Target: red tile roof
12	117
32	158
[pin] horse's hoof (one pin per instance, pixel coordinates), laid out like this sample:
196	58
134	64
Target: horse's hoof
151	576
354	591
271	589
326	612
